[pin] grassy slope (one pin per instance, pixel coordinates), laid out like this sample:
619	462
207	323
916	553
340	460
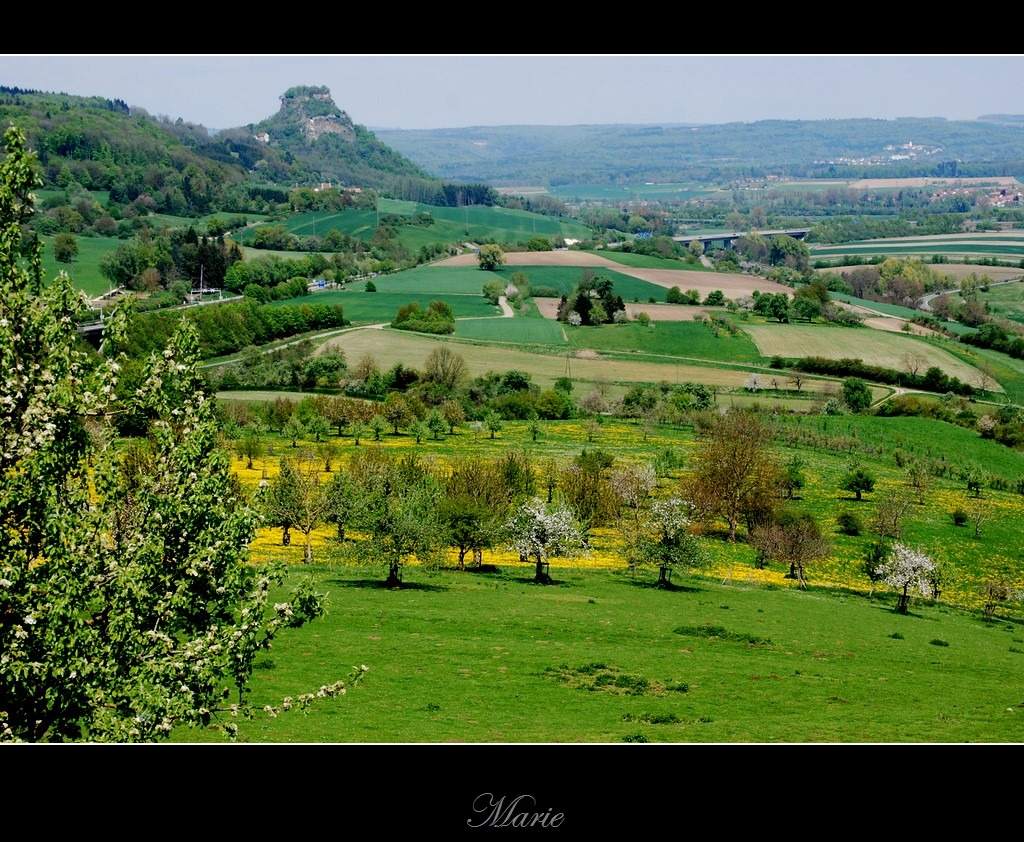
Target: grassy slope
831	672
85	271
440	670
1007	370
450	224
685	339
1006	301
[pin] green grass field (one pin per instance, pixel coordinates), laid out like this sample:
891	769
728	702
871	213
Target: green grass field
682	339
995	248
1007	370
459	280
1006	300
370	307
874	347
738	654
443	668
85	270
520	330
450	225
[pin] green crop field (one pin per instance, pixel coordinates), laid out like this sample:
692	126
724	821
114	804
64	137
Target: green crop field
737	654
874	347
520	330
647	261
85	271
370	307
683	339
450	225
947	247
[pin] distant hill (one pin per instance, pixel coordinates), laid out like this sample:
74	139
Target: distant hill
102	144
319	141
853	148
1006	119
106	145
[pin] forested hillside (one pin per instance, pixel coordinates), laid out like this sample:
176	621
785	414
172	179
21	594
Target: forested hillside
556	155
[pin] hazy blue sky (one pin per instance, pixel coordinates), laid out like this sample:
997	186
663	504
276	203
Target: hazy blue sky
432	92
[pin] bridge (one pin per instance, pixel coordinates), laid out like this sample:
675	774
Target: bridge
729	239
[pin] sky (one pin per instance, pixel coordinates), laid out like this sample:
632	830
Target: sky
413	92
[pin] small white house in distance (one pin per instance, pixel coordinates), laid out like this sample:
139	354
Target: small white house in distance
263	137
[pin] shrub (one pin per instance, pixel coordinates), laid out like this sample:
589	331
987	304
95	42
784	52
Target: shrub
371	286
849	523
959	517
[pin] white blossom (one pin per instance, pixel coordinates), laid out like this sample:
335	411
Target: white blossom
907	569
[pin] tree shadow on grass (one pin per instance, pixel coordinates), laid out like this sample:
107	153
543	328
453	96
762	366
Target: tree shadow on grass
382	585
670	587
483	568
530	580
890	609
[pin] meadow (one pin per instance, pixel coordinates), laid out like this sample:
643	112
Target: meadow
450	224
598	658
681	339
85	270
736	654
1006	369
1006	300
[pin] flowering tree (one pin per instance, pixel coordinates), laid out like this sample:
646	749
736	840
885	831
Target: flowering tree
127	606
538	531
662	539
633	485
904	570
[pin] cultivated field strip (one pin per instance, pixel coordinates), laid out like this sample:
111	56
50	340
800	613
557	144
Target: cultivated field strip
388	347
